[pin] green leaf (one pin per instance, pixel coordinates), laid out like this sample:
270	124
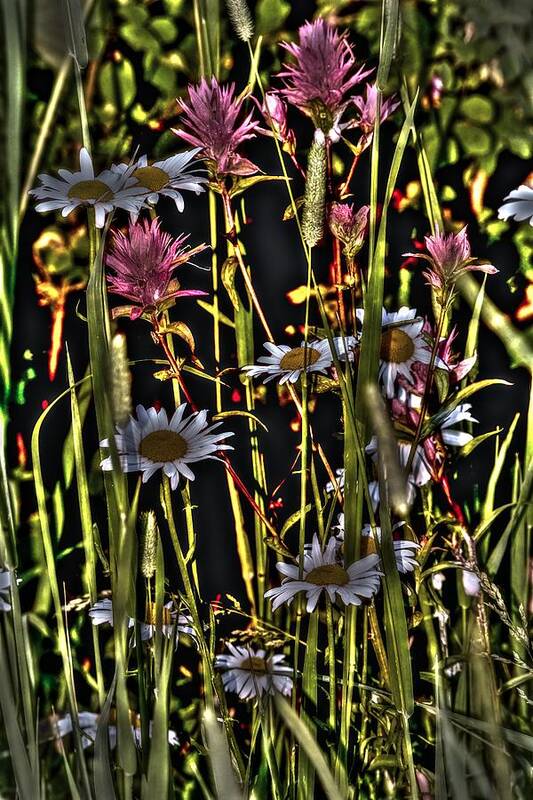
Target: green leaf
117	83
293	519
270	15
227	275
475	141
239	413
241	184
470	446
307	741
464	394
477	108
164	29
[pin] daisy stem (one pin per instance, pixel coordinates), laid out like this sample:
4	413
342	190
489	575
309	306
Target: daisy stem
270	753
171	358
428	384
231	233
210	680
332	668
216	310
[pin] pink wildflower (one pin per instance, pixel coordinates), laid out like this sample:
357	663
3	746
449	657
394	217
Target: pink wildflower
211	119
322	75
349	226
143	261
449	258
367	107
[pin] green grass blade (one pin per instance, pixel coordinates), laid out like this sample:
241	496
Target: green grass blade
308	743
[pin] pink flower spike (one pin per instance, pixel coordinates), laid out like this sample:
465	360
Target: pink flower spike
143	261
210	118
449	258
322	75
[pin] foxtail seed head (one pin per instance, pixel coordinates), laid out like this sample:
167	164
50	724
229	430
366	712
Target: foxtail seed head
148	543
241	19
315	193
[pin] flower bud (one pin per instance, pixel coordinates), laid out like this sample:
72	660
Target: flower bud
349	226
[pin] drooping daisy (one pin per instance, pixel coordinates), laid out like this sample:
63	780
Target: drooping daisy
322	571
102	613
104	192
420	469
169	177
402	345
287	363
88	723
520	206
340	476
251	673
152	442
471	583
452	436
143	261
171	622
404	549
5	590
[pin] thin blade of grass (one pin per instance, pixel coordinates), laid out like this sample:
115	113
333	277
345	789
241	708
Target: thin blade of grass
307	742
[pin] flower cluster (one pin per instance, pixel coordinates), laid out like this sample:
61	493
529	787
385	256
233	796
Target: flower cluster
125	186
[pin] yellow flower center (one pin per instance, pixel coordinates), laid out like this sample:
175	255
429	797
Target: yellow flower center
162	446
299	357
255	664
396	346
328	574
90	190
151	615
151	178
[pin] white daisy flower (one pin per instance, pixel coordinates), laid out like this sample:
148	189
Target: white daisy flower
471	583
5	590
450	435
404	549
323	572
287	363
172	622
169	177
402	344
103	192
521	206
102	613
88	723
420	471
437	580
339	474
152	442
250	673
